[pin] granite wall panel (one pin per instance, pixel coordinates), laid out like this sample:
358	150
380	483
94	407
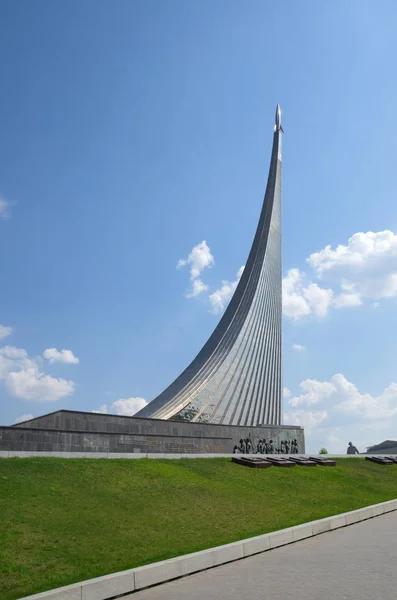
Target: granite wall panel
72	431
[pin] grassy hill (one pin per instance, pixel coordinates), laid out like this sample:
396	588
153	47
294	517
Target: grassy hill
66	520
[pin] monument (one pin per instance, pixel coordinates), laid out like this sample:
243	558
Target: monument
229	399
236	378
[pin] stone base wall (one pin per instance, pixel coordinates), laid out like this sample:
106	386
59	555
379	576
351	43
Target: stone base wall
72	431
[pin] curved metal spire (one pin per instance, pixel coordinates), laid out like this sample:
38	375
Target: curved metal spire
236	378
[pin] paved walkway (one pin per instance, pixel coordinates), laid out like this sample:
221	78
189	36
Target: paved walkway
354	563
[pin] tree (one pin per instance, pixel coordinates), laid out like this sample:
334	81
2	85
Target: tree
323	451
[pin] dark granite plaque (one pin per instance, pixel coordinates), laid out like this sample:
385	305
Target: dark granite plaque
324	462
281	462
303	462
256	463
379	460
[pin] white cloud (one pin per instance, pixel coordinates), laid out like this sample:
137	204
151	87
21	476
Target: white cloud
366	406
286	392
6	365
364	252
319	299
12	358
313	392
310	420
295	305
5	331
4	209
198	286
32	384
199	258
240	272
13	352
103	409
301	298
298	347
220	298
23	377
126	407
364	268
344	300
60	356
340	407
367	264
23	418
342	413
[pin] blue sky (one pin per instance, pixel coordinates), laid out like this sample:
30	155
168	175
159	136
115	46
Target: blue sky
133	131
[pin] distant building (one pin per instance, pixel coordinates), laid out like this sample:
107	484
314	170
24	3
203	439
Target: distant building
386	447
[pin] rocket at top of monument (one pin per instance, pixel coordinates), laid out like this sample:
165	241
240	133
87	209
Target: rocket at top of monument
278	125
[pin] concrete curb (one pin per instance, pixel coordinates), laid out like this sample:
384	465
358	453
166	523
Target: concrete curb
125	582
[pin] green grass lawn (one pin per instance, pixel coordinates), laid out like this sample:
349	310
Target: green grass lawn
66	520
